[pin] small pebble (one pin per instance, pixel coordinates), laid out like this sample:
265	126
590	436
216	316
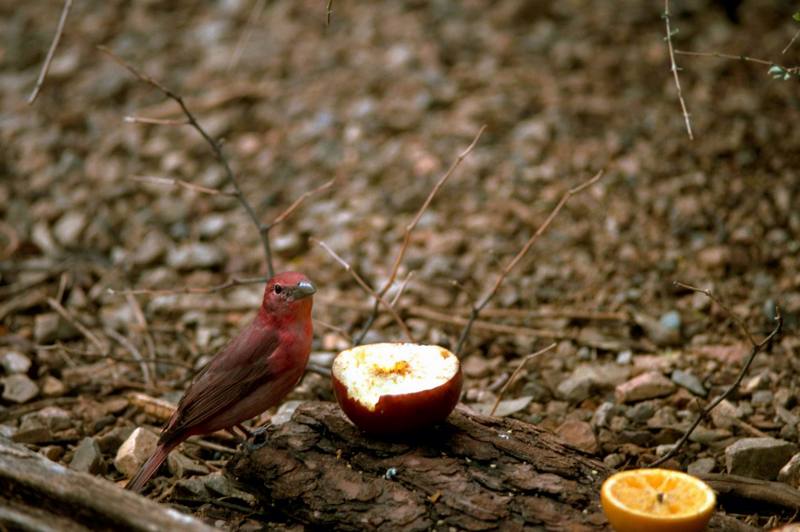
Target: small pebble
689	381
19	388
15	362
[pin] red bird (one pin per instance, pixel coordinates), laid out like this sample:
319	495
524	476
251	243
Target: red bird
252	373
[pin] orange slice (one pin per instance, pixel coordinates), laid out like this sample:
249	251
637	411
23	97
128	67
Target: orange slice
657	500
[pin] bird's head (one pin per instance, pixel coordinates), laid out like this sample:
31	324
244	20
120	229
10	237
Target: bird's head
288	295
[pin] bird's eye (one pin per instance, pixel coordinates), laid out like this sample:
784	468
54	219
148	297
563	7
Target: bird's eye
278	289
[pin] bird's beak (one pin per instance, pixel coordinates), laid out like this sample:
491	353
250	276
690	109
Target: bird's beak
303	289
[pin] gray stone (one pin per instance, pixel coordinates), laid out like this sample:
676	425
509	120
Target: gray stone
625	357
180	465
689	381
52	387
476	366
761	398
212	226
648	385
578	434
603	414
134	451
614	460
195	256
285	412
151	249
725	414
52	417
19	388
218	483
69	227
45	327
87	457
641	412
760	458
705	435
15	362
576	388
49	327
702	466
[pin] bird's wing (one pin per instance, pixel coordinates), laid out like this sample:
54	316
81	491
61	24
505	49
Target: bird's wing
238	369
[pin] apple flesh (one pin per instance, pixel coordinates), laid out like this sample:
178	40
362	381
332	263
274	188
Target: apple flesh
396	388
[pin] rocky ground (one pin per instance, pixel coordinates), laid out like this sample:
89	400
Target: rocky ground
383	100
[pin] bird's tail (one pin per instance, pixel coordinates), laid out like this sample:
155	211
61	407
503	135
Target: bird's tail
150	467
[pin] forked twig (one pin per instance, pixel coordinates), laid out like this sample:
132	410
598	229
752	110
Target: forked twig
409	228
516	372
479	306
757	347
674	68
363	284
263	229
51	52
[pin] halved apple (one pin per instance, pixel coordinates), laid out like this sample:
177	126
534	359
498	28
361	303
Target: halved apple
396	388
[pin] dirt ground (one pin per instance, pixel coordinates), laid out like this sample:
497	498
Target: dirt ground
383	100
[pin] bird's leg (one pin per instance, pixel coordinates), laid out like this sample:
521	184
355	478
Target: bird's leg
257	439
236	435
245	430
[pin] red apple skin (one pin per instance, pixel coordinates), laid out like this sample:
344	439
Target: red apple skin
399	414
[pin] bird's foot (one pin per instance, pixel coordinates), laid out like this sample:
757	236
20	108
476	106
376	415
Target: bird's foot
258	439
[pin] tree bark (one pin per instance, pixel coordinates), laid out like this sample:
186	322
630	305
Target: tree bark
37	494
472	472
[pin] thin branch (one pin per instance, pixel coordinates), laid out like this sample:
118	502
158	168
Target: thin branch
402	288
157	121
363	284
674	68
744	58
89	335
127	344
299	201
410	227
328	12
249	26
721	305
51	52
174	182
794	38
756	348
516	372
263	230
233	281
479	306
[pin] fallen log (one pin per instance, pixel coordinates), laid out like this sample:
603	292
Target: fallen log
472	472
38	494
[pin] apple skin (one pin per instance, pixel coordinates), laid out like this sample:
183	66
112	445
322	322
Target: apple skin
405	413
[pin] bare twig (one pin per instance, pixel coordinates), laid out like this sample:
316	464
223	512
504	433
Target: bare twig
479	306
155	121
757	347
794	38
721	305
233	281
410	227
255	13
263	229
674	68
516	372
368	289
174	182
128	345
141	326
51	52
402	288
299	201
89	335
744	58
328	12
